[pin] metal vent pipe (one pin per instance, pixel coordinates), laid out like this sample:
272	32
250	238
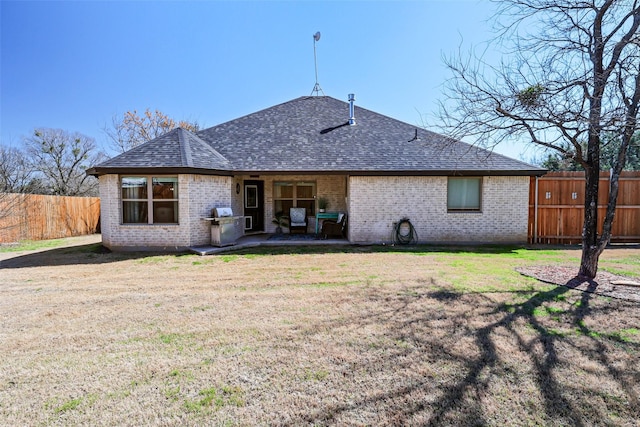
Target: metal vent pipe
352	117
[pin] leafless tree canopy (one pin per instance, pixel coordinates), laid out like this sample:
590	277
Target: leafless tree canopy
62	158
570	74
16	174
561	58
134	129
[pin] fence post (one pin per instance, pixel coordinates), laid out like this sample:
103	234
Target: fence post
535	214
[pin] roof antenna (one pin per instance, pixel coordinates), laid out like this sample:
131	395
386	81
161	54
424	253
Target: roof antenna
317	89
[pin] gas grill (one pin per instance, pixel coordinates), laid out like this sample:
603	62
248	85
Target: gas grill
225	228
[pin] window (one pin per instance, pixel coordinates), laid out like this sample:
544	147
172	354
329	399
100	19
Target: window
294	195
149	200
463	194
251	196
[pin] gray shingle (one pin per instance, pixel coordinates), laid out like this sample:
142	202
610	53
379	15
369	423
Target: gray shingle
178	148
309	134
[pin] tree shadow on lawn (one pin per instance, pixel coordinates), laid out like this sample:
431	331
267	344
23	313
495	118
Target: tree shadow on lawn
97	254
382	248
429	400
93	253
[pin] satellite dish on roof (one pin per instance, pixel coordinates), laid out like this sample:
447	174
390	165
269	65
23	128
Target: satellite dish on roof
316	36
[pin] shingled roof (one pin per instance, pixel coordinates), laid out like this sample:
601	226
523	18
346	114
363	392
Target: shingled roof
178	149
312	135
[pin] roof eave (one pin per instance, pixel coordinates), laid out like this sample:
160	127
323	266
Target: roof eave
440	172
98	171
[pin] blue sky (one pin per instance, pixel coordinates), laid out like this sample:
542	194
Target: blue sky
74	65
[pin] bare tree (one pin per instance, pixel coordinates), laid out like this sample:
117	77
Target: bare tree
570	74
62	158
133	129
610	148
16	174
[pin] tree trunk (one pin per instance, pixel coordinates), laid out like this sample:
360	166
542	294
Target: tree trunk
590	248
589	261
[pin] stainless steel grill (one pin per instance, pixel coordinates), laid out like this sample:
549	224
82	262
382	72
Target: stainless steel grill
225	228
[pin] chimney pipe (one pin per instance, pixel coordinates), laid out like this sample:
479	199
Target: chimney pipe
352	118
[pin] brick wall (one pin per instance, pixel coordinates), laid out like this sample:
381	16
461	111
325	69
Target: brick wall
205	193
197	195
109	209
376	203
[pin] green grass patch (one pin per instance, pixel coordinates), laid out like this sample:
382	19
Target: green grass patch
594	334
261	251
177	340
216	398
554	332
313	375
488	253
32	245
624	266
484	252
69	405
536	303
633	273
177	373
469	272
322	285
544	311
509	308
623	261
536	311
172	393
624	335
169	338
154	259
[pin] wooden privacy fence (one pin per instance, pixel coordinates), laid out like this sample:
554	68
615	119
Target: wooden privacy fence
40	217
556	208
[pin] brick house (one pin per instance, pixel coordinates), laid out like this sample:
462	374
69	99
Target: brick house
376	169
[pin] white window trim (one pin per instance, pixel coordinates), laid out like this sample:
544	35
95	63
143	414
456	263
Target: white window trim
149	200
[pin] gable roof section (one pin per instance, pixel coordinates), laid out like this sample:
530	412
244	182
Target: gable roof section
312	135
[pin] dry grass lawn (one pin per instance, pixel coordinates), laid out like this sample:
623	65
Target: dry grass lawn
325	336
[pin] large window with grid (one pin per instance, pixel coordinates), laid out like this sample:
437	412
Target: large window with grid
294	195
464	194
149	199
